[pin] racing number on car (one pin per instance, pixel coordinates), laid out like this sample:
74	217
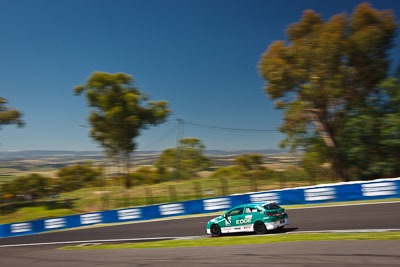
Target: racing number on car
228	221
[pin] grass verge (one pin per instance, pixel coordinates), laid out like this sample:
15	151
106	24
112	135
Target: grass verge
243	240
34	213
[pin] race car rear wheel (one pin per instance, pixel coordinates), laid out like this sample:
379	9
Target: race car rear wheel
215	230
259	228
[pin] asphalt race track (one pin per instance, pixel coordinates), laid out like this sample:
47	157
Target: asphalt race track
371	216
376	216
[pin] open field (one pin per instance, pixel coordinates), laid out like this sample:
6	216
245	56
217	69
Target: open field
90	199
6	178
34	213
113	195
116	196
48	162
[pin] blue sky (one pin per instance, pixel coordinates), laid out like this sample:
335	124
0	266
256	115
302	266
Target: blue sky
201	56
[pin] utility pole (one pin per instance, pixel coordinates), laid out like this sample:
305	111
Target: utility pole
179	136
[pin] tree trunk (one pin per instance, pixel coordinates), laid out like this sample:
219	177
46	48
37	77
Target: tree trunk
128	183
323	128
340	168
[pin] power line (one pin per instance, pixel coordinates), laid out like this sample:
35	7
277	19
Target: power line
178	148
159	139
230	129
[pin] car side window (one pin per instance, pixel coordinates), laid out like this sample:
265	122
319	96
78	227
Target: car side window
236	211
248	210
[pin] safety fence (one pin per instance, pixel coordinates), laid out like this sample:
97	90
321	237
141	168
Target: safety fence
361	190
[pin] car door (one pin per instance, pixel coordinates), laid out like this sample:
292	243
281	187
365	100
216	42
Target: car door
249	215
233	217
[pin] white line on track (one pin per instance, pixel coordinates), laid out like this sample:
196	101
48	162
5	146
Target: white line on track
105	240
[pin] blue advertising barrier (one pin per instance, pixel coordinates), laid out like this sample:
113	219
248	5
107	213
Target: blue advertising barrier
365	190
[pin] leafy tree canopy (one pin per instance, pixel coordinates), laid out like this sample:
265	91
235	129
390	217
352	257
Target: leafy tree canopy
34	186
188	157
8	115
119	112
77	176
325	70
248	162
371	136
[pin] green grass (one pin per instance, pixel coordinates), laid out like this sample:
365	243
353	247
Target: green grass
92	199
42	169
33	213
6	178
242	240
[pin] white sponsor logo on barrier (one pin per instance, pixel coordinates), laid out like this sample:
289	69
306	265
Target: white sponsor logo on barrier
91	218
316	194
216	203
20	227
265	197
170	209
129	214
54	223
379	189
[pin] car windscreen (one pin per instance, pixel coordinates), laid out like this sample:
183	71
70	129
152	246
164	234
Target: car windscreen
271	206
236	211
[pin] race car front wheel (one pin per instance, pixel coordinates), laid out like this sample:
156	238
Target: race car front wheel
215	230
259	228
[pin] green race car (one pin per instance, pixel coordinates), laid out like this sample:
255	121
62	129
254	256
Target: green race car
255	217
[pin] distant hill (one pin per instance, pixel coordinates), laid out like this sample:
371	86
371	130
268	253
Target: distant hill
47	162
239	152
25	154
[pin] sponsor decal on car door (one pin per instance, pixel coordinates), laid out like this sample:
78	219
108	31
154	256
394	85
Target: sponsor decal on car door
228	221
233	225
236	219
238	223
244	220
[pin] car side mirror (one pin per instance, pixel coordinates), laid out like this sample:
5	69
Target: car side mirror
225	216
